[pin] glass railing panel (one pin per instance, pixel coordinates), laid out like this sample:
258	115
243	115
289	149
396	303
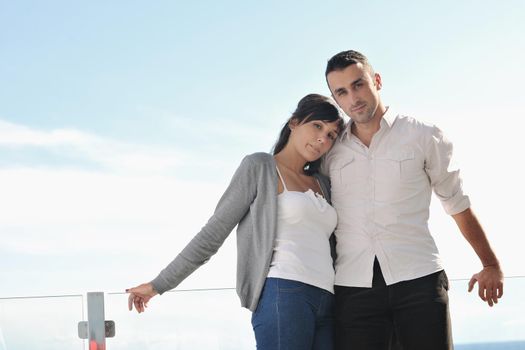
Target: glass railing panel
476	326
206	319
213	319
44	323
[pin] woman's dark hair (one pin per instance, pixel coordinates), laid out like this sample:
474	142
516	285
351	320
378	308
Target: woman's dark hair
311	107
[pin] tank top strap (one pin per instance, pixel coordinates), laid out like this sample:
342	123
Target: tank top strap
281	177
320	187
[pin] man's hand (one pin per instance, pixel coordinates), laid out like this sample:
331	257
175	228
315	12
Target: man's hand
490	279
490	284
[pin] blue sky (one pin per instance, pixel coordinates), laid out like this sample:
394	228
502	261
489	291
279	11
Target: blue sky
121	122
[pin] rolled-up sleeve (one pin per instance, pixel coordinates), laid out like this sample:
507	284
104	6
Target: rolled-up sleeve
443	173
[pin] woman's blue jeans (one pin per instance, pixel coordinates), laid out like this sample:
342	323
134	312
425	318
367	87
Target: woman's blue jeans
293	315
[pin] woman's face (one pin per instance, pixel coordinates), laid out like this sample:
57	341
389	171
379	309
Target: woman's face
313	138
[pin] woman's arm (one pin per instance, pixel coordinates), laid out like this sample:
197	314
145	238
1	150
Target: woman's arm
232	207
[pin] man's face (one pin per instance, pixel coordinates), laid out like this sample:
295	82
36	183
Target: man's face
356	91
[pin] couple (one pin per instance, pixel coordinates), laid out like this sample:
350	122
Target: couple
388	282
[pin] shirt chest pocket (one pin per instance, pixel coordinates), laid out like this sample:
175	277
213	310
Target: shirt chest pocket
344	173
400	165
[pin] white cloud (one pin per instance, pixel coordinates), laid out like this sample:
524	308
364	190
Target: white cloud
18	135
107	153
132	214
40	204
78	231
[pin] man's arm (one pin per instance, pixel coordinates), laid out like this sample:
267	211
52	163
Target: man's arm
490	278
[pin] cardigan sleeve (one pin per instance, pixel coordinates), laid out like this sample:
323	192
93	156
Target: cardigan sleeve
232	207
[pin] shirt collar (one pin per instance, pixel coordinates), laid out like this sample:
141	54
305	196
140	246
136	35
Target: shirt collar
389	117
387	120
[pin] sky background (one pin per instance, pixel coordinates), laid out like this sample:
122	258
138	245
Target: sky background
122	122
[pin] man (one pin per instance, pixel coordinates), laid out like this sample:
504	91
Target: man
389	277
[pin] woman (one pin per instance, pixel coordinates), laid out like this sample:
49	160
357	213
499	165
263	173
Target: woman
284	263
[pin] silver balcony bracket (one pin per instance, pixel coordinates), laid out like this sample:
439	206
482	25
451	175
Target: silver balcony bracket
96	329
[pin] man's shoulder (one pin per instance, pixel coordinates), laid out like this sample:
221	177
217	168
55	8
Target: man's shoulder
405	120
410	125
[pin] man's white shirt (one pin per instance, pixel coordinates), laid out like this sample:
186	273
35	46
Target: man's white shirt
382	196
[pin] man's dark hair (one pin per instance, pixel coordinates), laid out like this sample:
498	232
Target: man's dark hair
347	58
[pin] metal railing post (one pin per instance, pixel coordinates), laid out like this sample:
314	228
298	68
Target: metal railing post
96	329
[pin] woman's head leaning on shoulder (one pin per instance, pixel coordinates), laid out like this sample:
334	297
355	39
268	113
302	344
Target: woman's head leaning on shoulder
310	132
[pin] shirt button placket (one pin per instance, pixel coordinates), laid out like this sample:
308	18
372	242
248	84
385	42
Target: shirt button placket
370	194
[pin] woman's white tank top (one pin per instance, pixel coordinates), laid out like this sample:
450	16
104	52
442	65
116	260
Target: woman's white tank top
305	221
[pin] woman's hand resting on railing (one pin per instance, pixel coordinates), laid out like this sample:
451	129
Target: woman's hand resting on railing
140	296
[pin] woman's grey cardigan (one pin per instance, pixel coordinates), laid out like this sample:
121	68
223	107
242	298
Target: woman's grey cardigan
251	202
